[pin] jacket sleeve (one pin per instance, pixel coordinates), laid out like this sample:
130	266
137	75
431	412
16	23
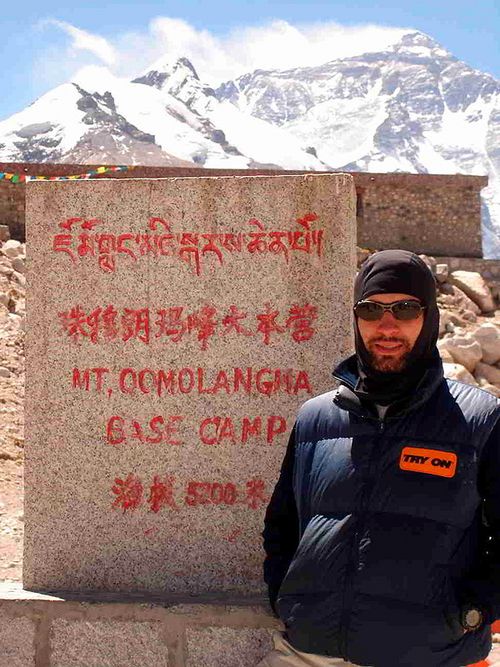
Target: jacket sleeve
281	526
483	588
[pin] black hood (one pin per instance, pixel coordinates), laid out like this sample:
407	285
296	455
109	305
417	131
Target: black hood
403	272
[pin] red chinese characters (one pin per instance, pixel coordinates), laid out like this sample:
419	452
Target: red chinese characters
82	242
161	493
129	494
174	323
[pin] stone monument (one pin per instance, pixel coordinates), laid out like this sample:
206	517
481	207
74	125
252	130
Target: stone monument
174	328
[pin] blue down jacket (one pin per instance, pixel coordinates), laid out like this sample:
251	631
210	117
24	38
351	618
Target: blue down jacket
371	550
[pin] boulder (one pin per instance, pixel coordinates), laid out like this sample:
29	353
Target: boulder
494	286
487	386
18	278
449	321
12	248
17	322
445	355
453	296
445	323
469	316
18	264
430	261
442	272
4	233
465	350
458	372
489	373
488	336
362	254
474	285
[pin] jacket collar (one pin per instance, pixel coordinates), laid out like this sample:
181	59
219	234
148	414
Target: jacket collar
346	398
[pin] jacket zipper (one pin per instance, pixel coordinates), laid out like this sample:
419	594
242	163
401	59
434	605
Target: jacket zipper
353	561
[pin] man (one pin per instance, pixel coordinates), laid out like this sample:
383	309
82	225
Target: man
382	536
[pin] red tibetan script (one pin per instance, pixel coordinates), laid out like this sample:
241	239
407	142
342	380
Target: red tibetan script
174	323
130	494
81	241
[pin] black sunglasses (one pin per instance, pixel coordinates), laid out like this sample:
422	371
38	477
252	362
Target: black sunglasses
402	310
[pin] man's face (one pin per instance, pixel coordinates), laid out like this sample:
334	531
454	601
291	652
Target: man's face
388	340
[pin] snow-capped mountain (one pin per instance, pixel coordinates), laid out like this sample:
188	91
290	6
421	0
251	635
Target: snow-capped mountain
166	116
411	107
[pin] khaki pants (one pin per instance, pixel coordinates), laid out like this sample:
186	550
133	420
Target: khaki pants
284	655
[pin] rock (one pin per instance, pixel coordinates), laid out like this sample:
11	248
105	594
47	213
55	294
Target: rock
453	296
4	233
458	372
488	336
484	384
18	264
20	306
444	320
465	350
494	286
4	299
430	261
19	278
449	321
12	248
474	285
469	315
442	272
489	373
6	269
446	355
362	254
16	321
5	373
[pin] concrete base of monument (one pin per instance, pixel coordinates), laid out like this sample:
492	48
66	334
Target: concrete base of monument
93	630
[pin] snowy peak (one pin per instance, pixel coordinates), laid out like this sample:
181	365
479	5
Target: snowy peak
420	46
172	66
177	78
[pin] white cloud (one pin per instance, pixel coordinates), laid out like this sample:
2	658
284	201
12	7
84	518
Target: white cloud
276	45
86	41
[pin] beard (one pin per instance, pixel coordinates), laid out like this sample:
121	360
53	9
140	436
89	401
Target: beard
388	363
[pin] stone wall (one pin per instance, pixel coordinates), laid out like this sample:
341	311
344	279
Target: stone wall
438	215
488	268
432	214
83	631
12	199
80	631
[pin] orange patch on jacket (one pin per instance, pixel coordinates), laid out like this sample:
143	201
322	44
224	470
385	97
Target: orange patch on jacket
430	461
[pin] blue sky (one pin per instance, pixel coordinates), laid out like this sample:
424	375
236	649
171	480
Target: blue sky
44	44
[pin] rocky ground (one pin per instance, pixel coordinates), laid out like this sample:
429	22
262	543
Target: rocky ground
12	324
469	345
